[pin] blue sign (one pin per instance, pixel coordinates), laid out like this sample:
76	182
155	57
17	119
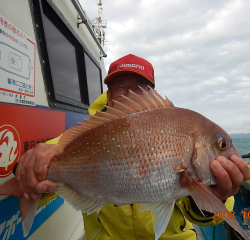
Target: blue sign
11	219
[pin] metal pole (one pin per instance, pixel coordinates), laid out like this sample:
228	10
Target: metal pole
85	21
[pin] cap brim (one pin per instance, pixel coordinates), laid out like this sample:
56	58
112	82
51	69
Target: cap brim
117	73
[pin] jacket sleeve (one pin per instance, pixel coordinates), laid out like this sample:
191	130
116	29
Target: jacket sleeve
98	104
191	214
47	197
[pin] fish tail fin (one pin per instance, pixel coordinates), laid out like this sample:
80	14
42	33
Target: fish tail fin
10	188
27	207
28	210
207	201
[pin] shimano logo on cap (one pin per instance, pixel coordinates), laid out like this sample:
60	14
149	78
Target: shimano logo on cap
130	66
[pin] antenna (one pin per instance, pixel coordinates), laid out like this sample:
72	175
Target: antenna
98	24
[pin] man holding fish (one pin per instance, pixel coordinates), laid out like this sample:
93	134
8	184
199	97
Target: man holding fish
128	221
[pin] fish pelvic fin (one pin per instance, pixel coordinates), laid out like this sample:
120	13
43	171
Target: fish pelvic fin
77	201
10	188
28	211
205	200
133	104
162	213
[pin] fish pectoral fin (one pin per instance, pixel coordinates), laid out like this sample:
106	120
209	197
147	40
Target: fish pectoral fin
162	213
28	211
205	200
77	201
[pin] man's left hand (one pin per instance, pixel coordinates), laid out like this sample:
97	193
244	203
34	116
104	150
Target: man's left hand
229	174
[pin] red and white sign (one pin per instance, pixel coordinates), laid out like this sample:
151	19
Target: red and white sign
22	128
9	149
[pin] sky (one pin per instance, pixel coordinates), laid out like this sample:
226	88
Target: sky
200	51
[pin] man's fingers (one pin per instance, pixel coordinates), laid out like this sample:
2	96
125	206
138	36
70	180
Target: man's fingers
224	182
28	178
242	166
43	161
36	167
17	177
31	177
47	186
232	170
33	167
20	173
229	176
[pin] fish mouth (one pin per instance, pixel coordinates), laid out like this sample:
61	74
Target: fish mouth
237	152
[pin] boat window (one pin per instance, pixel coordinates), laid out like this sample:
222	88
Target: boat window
93	79
64	69
72	75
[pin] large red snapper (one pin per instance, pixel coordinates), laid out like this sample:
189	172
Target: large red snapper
137	152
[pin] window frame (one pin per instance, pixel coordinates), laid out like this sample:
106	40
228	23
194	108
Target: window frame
48	8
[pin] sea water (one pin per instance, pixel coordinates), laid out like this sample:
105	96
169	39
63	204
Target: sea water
243	146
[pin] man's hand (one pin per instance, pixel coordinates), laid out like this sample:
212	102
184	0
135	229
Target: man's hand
229	176
33	168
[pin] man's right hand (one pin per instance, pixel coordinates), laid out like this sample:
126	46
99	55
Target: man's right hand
32	168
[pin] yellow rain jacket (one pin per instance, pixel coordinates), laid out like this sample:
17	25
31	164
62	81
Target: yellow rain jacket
127	222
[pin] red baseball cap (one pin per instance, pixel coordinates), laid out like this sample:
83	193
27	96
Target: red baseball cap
130	64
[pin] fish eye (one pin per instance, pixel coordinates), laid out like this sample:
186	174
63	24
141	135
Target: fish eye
222	144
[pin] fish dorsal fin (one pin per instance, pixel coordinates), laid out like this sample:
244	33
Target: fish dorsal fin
165	103
140	100
128	105
153	101
92	121
100	119
168	102
106	115
123	107
71	134
116	112
133	104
